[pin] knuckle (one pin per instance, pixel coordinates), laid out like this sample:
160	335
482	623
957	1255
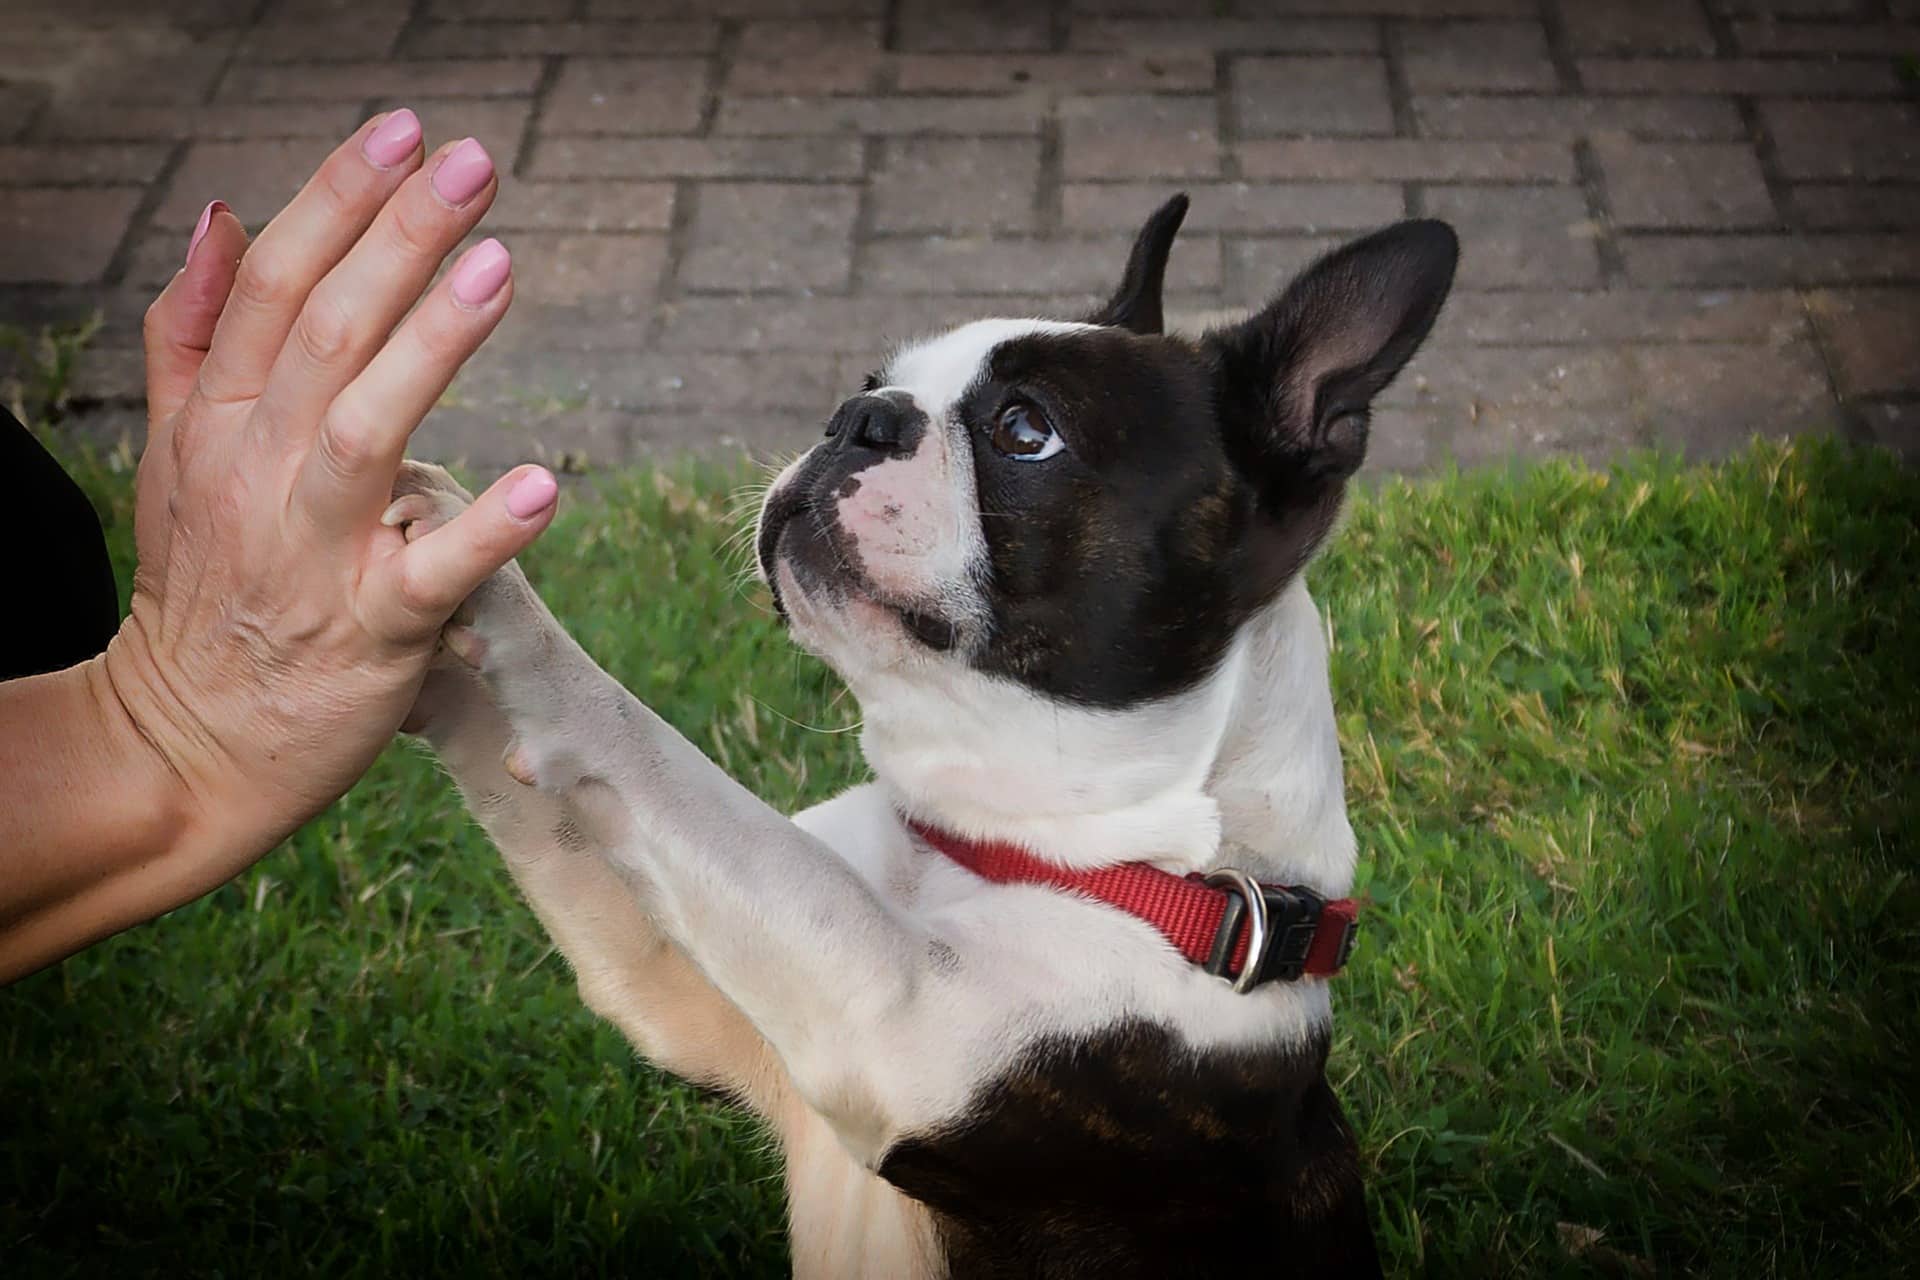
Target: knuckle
350	448
265	283
415	230
326	332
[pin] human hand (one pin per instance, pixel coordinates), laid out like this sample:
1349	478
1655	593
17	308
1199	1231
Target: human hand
279	631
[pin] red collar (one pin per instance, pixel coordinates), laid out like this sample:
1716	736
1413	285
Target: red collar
1300	933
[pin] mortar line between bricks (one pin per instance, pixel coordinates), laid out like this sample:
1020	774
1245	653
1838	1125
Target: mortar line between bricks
151	198
1049	192
1720	27
1399	89
418	19
1566	68
720	63
1586	167
1852	425
1779	190
529	137
890	27
1059	26
1226	116
861	233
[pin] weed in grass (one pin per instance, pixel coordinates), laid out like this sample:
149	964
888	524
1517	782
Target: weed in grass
1629	755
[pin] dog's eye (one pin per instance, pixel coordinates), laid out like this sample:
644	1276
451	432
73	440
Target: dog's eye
1022	433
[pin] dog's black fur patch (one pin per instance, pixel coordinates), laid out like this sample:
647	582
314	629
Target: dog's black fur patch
1130	1155
1197	477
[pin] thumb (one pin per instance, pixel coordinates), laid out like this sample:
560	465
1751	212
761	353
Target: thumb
179	324
430	577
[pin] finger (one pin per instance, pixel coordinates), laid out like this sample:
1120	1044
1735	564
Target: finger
417	588
347	476
301	245
351	312
179	324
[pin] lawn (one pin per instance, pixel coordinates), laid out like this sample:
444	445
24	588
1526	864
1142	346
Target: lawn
1630	755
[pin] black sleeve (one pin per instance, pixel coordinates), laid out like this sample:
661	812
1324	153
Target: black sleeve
58	576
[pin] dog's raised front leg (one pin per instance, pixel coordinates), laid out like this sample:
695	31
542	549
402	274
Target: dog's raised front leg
770	916
628	971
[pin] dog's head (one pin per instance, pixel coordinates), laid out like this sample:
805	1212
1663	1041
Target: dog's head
1092	509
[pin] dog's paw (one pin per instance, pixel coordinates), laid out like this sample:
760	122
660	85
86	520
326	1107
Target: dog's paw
424	498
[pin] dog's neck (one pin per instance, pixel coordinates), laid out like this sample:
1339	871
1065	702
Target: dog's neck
1243	770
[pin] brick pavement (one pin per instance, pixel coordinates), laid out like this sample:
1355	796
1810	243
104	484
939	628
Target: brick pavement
1684	220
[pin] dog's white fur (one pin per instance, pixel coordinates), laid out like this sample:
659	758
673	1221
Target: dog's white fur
848	984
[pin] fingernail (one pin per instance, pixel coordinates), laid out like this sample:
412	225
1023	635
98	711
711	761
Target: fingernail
532	493
462	173
200	227
478	275
393	141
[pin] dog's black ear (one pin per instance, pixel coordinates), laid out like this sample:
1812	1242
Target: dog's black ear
1295	382
1135	304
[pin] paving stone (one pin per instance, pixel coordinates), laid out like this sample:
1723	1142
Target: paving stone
1844	139
1406	160
82	122
771	236
1174	70
1235	35
1773	77
593	158
529	39
1871	39
1332	95
566	269
339	37
1019	113
356	81
956	184
20	106
1481	436
1564	317
1684	184
1486	379
1398	441
1872	337
983	26
1569	117
1236	206
499	124
1772	259
626	95
1713	406
581	206
1137	135
255	178
1893	426
830	56
1476	55
91	164
975	264
62	236
1519	236
1636	26
1842	206
737	8
866	325
715	382
1257	269
499	10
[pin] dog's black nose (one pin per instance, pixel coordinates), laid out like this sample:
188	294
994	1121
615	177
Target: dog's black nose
880	423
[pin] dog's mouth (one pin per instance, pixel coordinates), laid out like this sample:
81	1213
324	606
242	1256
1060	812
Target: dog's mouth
801	533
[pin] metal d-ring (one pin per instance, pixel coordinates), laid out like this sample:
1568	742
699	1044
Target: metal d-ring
1256	901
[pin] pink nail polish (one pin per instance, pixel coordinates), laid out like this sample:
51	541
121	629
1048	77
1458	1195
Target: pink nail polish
206	220
393	140
532	493
480	273
462	173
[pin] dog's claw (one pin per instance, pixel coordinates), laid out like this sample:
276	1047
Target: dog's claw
518	766
465	644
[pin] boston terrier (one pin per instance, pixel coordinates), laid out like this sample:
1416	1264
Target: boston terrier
1048	996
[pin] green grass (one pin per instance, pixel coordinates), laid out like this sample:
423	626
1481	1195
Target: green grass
1629	754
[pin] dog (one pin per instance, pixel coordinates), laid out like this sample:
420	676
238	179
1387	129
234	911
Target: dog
1059	564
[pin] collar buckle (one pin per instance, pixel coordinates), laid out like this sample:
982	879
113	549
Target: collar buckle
1282	925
